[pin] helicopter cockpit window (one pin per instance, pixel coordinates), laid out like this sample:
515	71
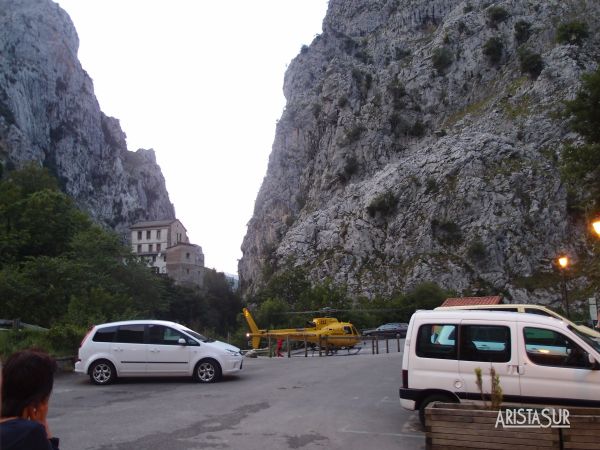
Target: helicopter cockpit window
347	330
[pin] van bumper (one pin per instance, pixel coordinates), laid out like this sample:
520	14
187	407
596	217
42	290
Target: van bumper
408	398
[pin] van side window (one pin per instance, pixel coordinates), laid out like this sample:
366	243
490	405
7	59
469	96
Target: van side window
106	334
131	334
436	341
550	348
490	343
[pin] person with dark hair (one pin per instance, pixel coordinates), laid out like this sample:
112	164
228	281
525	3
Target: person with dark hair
27	380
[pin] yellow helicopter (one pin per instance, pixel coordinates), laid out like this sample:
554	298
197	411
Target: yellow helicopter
326	332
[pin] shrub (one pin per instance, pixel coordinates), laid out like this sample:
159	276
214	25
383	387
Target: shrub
497	14
468	8
522	31
353	134
476	250
572	33
446	232
442	59
418	129
397	91
531	63
493	49
384	204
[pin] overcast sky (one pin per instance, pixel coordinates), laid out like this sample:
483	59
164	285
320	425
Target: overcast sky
200	82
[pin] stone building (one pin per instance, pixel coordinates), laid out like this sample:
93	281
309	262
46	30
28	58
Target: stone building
164	244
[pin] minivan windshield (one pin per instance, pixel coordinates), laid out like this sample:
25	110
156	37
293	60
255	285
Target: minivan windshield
593	342
197	335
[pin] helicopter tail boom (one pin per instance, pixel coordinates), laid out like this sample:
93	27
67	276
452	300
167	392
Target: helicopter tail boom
253	328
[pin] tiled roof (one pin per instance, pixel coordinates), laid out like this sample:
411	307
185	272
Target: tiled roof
153	224
469	301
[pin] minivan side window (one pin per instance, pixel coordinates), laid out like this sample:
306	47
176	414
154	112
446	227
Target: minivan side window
551	348
436	341
106	334
161	335
489	343
131	334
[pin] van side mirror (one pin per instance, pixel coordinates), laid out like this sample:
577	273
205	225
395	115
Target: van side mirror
593	363
182	341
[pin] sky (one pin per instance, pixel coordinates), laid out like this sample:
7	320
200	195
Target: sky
200	82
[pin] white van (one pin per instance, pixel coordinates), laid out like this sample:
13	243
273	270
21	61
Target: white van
540	360
526	308
137	348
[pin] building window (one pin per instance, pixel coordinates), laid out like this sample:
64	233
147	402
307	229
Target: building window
187	271
165	257
148	234
150	248
154	259
139	235
139	248
158	247
187	256
157	234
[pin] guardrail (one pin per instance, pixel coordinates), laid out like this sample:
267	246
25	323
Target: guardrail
325	347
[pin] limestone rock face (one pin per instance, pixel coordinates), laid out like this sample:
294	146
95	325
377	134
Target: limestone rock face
406	153
49	114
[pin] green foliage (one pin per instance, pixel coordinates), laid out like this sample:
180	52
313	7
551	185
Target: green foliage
397	91
59	270
418	129
384	204
446	232
522	31
572	33
442	59
493	49
496	15
476	250
531	63
353	133
468	8
580	166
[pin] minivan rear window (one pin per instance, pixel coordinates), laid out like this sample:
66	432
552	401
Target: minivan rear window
106	334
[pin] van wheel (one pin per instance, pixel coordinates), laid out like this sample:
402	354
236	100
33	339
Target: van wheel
102	372
431	399
207	371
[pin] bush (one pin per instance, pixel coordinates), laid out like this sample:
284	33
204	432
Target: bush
476	250
493	49
442	59
522	31
446	232
531	63
353	133
572	33
418	129
497	14
384	204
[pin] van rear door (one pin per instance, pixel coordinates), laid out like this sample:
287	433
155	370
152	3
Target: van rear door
487	344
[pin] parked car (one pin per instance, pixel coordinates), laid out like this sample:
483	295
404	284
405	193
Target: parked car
388	330
138	348
541	360
526	308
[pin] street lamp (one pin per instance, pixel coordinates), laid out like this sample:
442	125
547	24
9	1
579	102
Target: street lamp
563	263
596	226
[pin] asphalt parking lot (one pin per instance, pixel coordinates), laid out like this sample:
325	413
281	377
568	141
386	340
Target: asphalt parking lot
335	402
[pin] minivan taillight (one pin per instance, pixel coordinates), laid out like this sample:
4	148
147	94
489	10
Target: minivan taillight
405	379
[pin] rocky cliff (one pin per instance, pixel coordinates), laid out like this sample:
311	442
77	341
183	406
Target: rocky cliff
421	142
49	114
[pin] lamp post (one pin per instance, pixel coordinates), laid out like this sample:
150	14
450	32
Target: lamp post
596	226
563	263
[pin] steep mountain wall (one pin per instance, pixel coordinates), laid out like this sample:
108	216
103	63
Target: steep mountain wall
407	154
49	114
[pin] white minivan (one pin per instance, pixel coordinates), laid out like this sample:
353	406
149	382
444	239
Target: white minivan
540	360
137	348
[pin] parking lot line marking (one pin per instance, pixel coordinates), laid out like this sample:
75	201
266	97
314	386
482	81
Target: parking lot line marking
417	436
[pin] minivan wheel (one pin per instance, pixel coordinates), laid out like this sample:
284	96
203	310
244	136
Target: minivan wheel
207	371
102	372
431	399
